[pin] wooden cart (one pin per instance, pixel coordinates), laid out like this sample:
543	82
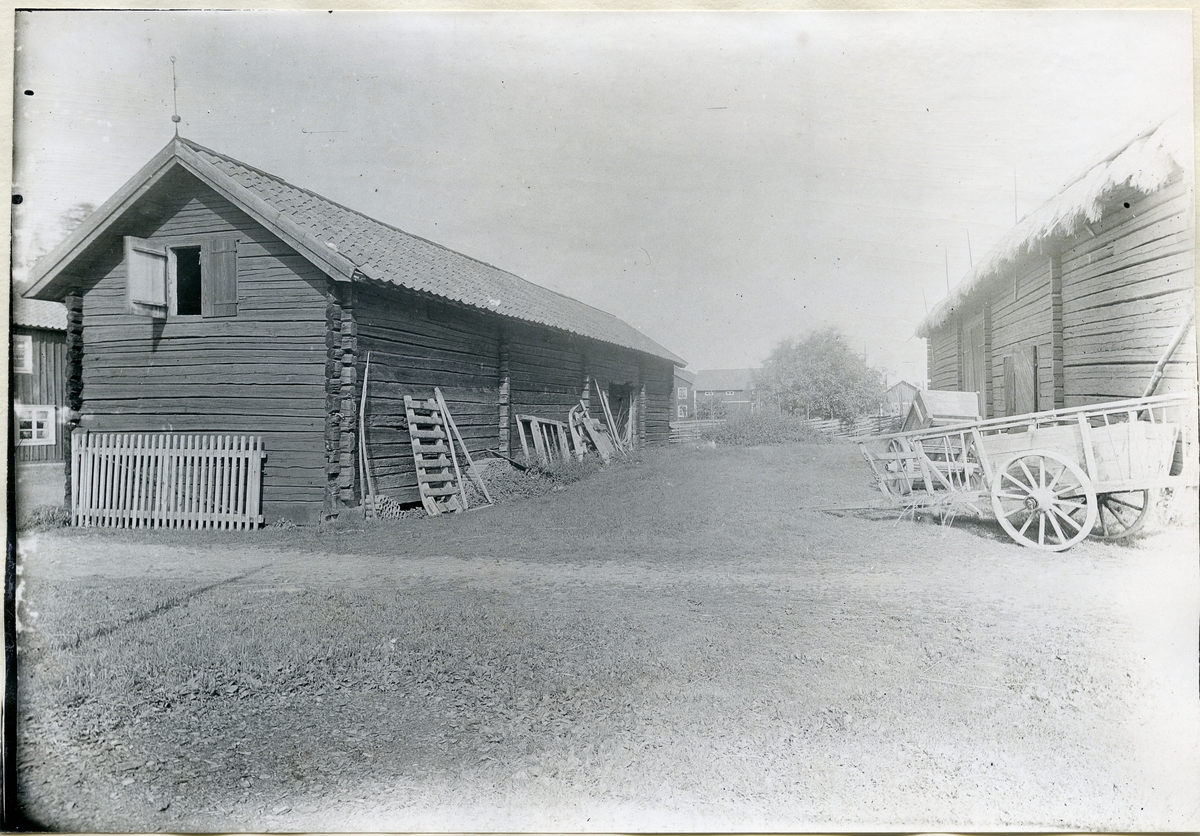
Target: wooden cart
1050	478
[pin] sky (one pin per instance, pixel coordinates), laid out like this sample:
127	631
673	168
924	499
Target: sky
721	181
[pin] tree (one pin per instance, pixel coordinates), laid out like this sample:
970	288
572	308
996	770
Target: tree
818	376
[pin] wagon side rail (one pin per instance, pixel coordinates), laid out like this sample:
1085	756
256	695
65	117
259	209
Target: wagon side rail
1185	402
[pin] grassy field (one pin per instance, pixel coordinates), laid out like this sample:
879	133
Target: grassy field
666	645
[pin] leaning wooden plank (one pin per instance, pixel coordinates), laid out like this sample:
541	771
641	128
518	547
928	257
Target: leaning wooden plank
603	446
364	461
472	471
453	455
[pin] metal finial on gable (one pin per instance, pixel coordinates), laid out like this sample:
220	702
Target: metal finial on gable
174	97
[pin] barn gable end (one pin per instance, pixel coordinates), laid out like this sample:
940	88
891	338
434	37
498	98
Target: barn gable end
260	371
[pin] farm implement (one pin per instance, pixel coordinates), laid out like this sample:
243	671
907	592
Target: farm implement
1049	478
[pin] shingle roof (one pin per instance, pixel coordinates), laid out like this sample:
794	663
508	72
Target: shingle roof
34	313
728	380
1145	164
347	245
390	255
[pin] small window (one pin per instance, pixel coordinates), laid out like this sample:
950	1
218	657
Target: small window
731	393
34	425
182	277
683	393
22	354
682	411
709	394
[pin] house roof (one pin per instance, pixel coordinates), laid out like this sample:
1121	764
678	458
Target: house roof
34	313
1144	165
684	374
349	246
728	380
902	386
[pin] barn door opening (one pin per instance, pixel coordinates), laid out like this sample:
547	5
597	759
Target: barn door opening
1020	381
621	401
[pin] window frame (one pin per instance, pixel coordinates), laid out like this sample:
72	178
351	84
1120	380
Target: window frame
28	412
211	245
682	395
681	411
22	359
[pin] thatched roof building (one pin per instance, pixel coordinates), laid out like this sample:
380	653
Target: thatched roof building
1078	302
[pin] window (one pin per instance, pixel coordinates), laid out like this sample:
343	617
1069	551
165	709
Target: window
731	393
682	411
708	394
22	357
683	393
34	425
182	276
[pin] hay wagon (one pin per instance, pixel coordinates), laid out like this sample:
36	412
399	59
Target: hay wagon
1050	478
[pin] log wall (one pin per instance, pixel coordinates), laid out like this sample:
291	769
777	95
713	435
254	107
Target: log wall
261	372
1126	285
943	357
489	370
415	344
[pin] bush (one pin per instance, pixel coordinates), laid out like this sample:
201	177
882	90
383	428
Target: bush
756	428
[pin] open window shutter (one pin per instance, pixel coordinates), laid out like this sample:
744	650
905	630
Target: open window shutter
219	292
146	277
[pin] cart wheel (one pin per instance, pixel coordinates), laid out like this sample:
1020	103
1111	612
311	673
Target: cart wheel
1121	515
1044	500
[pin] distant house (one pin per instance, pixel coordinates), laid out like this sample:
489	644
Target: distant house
683	400
723	393
210	297
39	398
1079	302
899	398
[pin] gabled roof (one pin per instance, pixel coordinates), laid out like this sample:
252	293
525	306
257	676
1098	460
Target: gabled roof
1143	166
348	246
684	374
727	380
902	386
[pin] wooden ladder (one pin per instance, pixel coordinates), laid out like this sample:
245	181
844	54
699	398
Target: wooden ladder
438	477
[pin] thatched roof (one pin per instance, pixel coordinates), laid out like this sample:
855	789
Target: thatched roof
1144	166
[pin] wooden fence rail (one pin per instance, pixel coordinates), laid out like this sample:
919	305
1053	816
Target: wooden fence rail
125	480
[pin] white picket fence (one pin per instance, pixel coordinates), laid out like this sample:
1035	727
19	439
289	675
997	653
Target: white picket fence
126	480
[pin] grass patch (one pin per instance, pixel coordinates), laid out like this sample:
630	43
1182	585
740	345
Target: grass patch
43	518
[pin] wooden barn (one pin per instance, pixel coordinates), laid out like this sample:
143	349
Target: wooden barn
38	389
1081	300
208	296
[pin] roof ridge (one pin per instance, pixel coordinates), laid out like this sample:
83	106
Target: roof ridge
524	292
276	178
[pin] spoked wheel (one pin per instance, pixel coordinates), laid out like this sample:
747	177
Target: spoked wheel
1121	515
1044	500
